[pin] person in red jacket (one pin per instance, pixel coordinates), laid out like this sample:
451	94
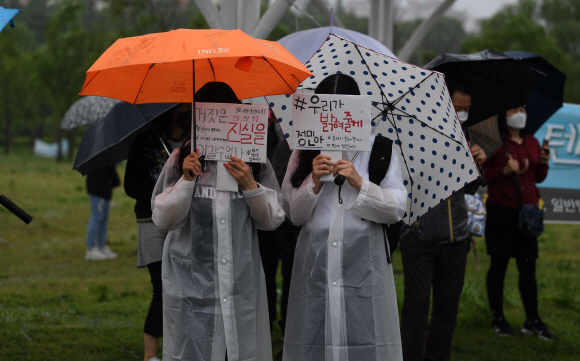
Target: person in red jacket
529	161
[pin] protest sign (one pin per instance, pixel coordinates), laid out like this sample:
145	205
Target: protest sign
238	130
331	122
561	189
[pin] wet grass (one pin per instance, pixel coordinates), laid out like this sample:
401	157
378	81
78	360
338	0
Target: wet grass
55	305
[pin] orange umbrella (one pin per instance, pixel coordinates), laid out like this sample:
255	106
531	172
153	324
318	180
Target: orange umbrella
158	68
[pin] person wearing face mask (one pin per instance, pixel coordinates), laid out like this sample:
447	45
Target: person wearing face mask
434	251
147	155
529	162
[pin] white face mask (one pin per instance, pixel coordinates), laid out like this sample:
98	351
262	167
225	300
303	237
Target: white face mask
517	121
462	116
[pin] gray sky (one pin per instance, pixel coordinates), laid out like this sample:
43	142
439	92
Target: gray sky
481	8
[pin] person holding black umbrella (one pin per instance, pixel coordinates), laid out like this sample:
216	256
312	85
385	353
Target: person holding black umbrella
512	173
147	155
434	251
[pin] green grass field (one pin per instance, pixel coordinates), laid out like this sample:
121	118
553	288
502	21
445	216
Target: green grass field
55	305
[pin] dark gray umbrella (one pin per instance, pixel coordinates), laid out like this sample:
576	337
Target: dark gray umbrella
499	81
548	96
86	111
108	140
486	134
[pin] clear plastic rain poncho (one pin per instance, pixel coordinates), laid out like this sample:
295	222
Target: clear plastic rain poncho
342	303
214	293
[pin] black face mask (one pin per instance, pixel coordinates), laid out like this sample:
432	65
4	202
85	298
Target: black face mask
184	120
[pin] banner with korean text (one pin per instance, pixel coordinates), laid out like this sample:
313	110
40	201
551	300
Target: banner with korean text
238	130
331	122
561	189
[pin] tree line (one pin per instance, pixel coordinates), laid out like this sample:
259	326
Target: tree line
44	58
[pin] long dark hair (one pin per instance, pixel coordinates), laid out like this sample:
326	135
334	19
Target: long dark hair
215	92
332	84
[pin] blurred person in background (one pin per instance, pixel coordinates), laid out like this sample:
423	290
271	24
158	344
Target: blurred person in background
100	184
528	161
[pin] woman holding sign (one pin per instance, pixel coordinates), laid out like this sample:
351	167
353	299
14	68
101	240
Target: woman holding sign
342	302
214	294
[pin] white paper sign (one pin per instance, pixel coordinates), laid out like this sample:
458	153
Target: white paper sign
331	122
238	130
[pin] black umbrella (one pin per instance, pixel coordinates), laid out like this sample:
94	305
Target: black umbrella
548	96
108	140
499	82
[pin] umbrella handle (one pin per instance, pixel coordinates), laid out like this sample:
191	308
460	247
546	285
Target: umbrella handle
17	211
482	181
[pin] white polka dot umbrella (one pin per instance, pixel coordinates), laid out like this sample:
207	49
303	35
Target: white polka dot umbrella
411	106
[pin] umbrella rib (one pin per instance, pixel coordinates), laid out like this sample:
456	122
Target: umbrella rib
143	82
372	75
90	81
212	70
276	70
412	88
405	114
392	121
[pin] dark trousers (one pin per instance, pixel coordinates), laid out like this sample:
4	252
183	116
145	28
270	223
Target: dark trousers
443	268
154	320
275	247
526	283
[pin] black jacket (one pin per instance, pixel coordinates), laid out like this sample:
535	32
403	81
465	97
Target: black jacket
446	223
101	182
146	159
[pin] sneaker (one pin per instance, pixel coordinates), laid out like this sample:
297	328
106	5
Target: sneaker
536	326
502	327
154	358
107	252
95	254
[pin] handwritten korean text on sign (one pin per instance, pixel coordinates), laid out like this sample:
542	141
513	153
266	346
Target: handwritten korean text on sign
238	130
331	122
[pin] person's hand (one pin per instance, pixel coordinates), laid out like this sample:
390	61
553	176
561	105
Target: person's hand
545	154
321	165
242	173
478	154
346	168
513	166
191	166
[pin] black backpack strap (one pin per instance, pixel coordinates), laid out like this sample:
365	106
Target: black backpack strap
380	159
379	162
